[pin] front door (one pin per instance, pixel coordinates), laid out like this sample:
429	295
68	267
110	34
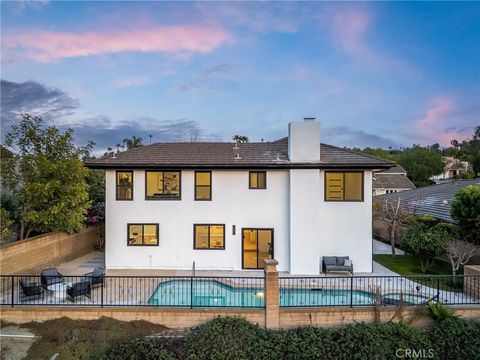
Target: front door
257	245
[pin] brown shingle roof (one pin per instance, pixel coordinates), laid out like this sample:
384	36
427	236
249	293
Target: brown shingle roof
391	181
225	155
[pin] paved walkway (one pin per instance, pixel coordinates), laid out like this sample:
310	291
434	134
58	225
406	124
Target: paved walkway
383	248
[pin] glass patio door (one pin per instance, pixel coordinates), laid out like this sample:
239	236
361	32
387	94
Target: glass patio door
257	245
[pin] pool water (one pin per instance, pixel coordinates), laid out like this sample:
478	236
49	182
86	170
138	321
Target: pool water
213	293
208	293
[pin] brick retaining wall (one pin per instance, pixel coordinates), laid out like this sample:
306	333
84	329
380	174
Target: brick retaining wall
31	255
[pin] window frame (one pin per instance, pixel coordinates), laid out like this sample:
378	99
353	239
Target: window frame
250	179
203	186
209	239
143	234
116	185
168	197
343	172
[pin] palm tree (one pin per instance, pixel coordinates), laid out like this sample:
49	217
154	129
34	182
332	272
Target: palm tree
133	143
240	138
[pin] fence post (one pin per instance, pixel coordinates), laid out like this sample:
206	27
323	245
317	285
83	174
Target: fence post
191	292
272	307
351	291
101	296
438	288
13	290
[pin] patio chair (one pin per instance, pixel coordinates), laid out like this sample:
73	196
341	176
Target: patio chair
96	277
81	288
30	290
50	277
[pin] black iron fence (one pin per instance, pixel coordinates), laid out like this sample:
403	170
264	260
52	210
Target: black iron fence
179	291
240	292
378	290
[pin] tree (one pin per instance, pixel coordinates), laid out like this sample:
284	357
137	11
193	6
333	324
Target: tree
391	211
49	179
5	223
133	143
421	164
424	241
240	138
466	211
378	152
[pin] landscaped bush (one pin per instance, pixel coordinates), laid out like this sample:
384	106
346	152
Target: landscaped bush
139	349
454	339
377	341
224	338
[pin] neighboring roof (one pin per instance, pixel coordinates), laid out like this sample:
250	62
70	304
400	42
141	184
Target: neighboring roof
397	169
434	200
227	155
391	181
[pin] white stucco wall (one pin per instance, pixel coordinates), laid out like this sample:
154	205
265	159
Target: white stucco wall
346	227
233	203
305	226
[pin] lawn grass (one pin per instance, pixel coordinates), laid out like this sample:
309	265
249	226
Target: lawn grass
84	339
410	265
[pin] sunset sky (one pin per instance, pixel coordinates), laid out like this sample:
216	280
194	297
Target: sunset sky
374	74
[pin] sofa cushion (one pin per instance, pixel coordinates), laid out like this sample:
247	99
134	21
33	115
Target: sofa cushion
348	263
338	268
330	260
341	260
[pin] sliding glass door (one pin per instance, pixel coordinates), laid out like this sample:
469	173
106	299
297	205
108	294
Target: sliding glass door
257	245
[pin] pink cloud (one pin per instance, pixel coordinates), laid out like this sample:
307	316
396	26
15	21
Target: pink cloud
438	124
348	28
49	46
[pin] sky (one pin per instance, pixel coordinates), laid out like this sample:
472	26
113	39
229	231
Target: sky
374	74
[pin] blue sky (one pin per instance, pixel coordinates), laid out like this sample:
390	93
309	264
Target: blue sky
374	74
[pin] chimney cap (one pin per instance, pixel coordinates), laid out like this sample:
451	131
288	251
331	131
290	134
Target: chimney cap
309	118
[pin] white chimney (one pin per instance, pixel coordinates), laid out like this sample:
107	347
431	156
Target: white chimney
304	140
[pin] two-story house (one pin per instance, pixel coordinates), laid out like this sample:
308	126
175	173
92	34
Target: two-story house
229	206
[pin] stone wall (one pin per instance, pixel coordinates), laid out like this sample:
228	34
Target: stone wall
29	256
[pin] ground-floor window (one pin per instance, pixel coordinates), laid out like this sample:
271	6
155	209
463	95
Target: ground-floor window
142	234
209	236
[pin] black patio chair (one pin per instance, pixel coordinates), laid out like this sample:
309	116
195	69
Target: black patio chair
96	277
81	288
50	277
30	290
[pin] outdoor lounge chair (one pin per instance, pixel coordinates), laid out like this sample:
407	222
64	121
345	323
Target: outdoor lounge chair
30	290
96	277
50	277
82	288
336	263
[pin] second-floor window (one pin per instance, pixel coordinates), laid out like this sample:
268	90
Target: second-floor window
160	185
124	185
257	180
203	185
208	236
344	186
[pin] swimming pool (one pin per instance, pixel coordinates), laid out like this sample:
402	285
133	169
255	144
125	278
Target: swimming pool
214	293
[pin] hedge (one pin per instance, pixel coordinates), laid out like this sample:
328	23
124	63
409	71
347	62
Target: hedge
236	339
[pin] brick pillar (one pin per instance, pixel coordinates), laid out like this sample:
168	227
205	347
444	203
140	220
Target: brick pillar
272	309
471	284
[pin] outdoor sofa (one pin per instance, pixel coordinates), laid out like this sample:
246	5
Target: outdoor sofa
337	263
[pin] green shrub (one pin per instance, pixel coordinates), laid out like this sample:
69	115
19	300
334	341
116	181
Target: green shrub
438	312
454	339
300	343
139	349
224	338
377	341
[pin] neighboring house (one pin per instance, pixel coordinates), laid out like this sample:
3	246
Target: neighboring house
391	181
454	168
433	200
231	205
